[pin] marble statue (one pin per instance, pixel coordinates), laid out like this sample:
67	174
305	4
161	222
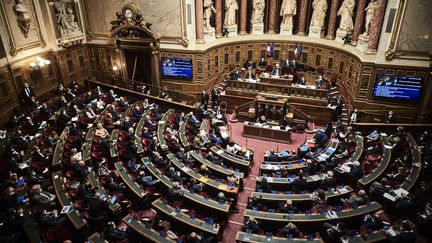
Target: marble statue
65	17
208	11
319	13
257	12
346	12
21	9
231	7
288	10
370	11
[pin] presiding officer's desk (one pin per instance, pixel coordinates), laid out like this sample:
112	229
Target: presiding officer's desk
265	78
195	198
266	132
252	238
251	89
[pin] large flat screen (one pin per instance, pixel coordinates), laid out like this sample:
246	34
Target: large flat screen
177	68
398	87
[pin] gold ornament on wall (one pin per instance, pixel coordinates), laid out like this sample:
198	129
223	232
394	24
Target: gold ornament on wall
23	19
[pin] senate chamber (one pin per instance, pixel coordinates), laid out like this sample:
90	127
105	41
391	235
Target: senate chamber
206	121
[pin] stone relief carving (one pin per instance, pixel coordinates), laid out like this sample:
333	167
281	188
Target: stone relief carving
208	12
65	18
23	19
258	11
231	7
288	10
346	12
319	13
370	11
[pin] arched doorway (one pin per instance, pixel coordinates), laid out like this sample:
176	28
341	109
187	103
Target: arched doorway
139	46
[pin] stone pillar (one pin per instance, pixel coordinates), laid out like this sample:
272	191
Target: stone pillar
359	20
272	17
332	19
303	17
376	25
199	21
218	19
243	17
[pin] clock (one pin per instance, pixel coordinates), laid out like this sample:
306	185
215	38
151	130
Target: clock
128	13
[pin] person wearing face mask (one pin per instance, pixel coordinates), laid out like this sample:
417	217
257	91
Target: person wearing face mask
8	199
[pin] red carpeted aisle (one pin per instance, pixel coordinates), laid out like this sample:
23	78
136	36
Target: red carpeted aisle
235	220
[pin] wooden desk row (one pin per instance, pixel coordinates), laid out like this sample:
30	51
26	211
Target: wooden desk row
138	129
382	166
182	133
58	151
358	150
86	153
145	232
239	163
74	216
195	198
252	238
129	181
217	168
161	129
300	198
113	147
207	181
316	217
195	223
415	168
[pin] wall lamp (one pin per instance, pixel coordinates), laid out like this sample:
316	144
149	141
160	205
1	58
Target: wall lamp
40	62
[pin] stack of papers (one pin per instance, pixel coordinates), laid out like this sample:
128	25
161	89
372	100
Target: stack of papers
331	215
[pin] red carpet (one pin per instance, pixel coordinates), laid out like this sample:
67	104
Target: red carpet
235	221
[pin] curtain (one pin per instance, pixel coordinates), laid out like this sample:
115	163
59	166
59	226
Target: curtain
140	62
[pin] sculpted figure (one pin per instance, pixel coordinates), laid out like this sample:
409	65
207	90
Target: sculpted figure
288	10
346	12
319	13
370	11
21	9
257	12
231	7
208	11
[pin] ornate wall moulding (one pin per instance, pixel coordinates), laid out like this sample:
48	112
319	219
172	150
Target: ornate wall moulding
25	33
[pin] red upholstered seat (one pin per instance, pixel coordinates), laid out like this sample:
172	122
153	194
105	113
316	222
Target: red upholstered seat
58	234
81	205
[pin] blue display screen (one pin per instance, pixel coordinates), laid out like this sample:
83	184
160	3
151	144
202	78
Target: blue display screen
177	68
398	87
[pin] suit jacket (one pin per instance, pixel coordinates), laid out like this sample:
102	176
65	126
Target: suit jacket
41	197
276	72
26	95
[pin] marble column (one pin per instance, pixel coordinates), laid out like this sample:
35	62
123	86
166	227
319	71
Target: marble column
243	17
303	17
376	25
359	20
332	19
199	21
218	19
272	17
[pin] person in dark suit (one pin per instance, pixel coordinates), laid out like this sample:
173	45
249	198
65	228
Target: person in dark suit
288	208
356	170
276	70
41	197
21	139
97	207
45	111
262	63
299	183
273	157
80	170
50	219
151	125
354	116
205	99
27	93
60	90
157	112
236	75
215	98
180	118
391	117
301	80
63	118
69	94
147	134
112	233
137	113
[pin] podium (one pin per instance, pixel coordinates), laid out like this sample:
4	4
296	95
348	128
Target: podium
273	107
